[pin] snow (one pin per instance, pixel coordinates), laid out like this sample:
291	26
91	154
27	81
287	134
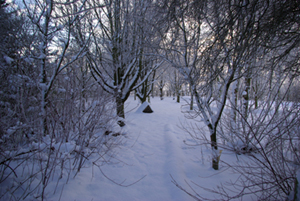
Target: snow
142	107
8	59
153	151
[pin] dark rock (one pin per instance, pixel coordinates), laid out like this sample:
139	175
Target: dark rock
144	108
121	123
116	134
107	132
148	109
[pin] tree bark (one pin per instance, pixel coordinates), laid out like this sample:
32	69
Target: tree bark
161	90
120	106
214	147
178	97
192	99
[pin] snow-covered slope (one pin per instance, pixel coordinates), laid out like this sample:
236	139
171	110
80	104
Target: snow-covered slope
153	151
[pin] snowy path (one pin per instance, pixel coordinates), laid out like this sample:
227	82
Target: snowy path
159	148
154	149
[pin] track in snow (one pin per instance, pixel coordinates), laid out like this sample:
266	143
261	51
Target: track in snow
160	148
153	149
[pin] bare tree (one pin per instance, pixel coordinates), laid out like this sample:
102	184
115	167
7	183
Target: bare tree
209	48
53	22
60	115
263	59
117	54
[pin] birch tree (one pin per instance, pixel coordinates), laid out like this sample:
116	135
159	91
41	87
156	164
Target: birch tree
209	47
10	30
260	46
162	80
117	56
53	22
53	129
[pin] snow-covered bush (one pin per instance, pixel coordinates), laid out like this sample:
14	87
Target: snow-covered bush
270	141
76	127
53	116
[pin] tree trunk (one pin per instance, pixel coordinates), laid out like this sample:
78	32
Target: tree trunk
233	114
161	93
192	99
215	163
178	97
214	147
161	86
120	106
246	97
120	109
256	101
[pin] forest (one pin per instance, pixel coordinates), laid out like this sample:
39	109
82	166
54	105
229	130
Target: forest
68	68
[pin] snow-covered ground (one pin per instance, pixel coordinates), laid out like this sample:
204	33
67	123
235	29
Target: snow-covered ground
153	152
